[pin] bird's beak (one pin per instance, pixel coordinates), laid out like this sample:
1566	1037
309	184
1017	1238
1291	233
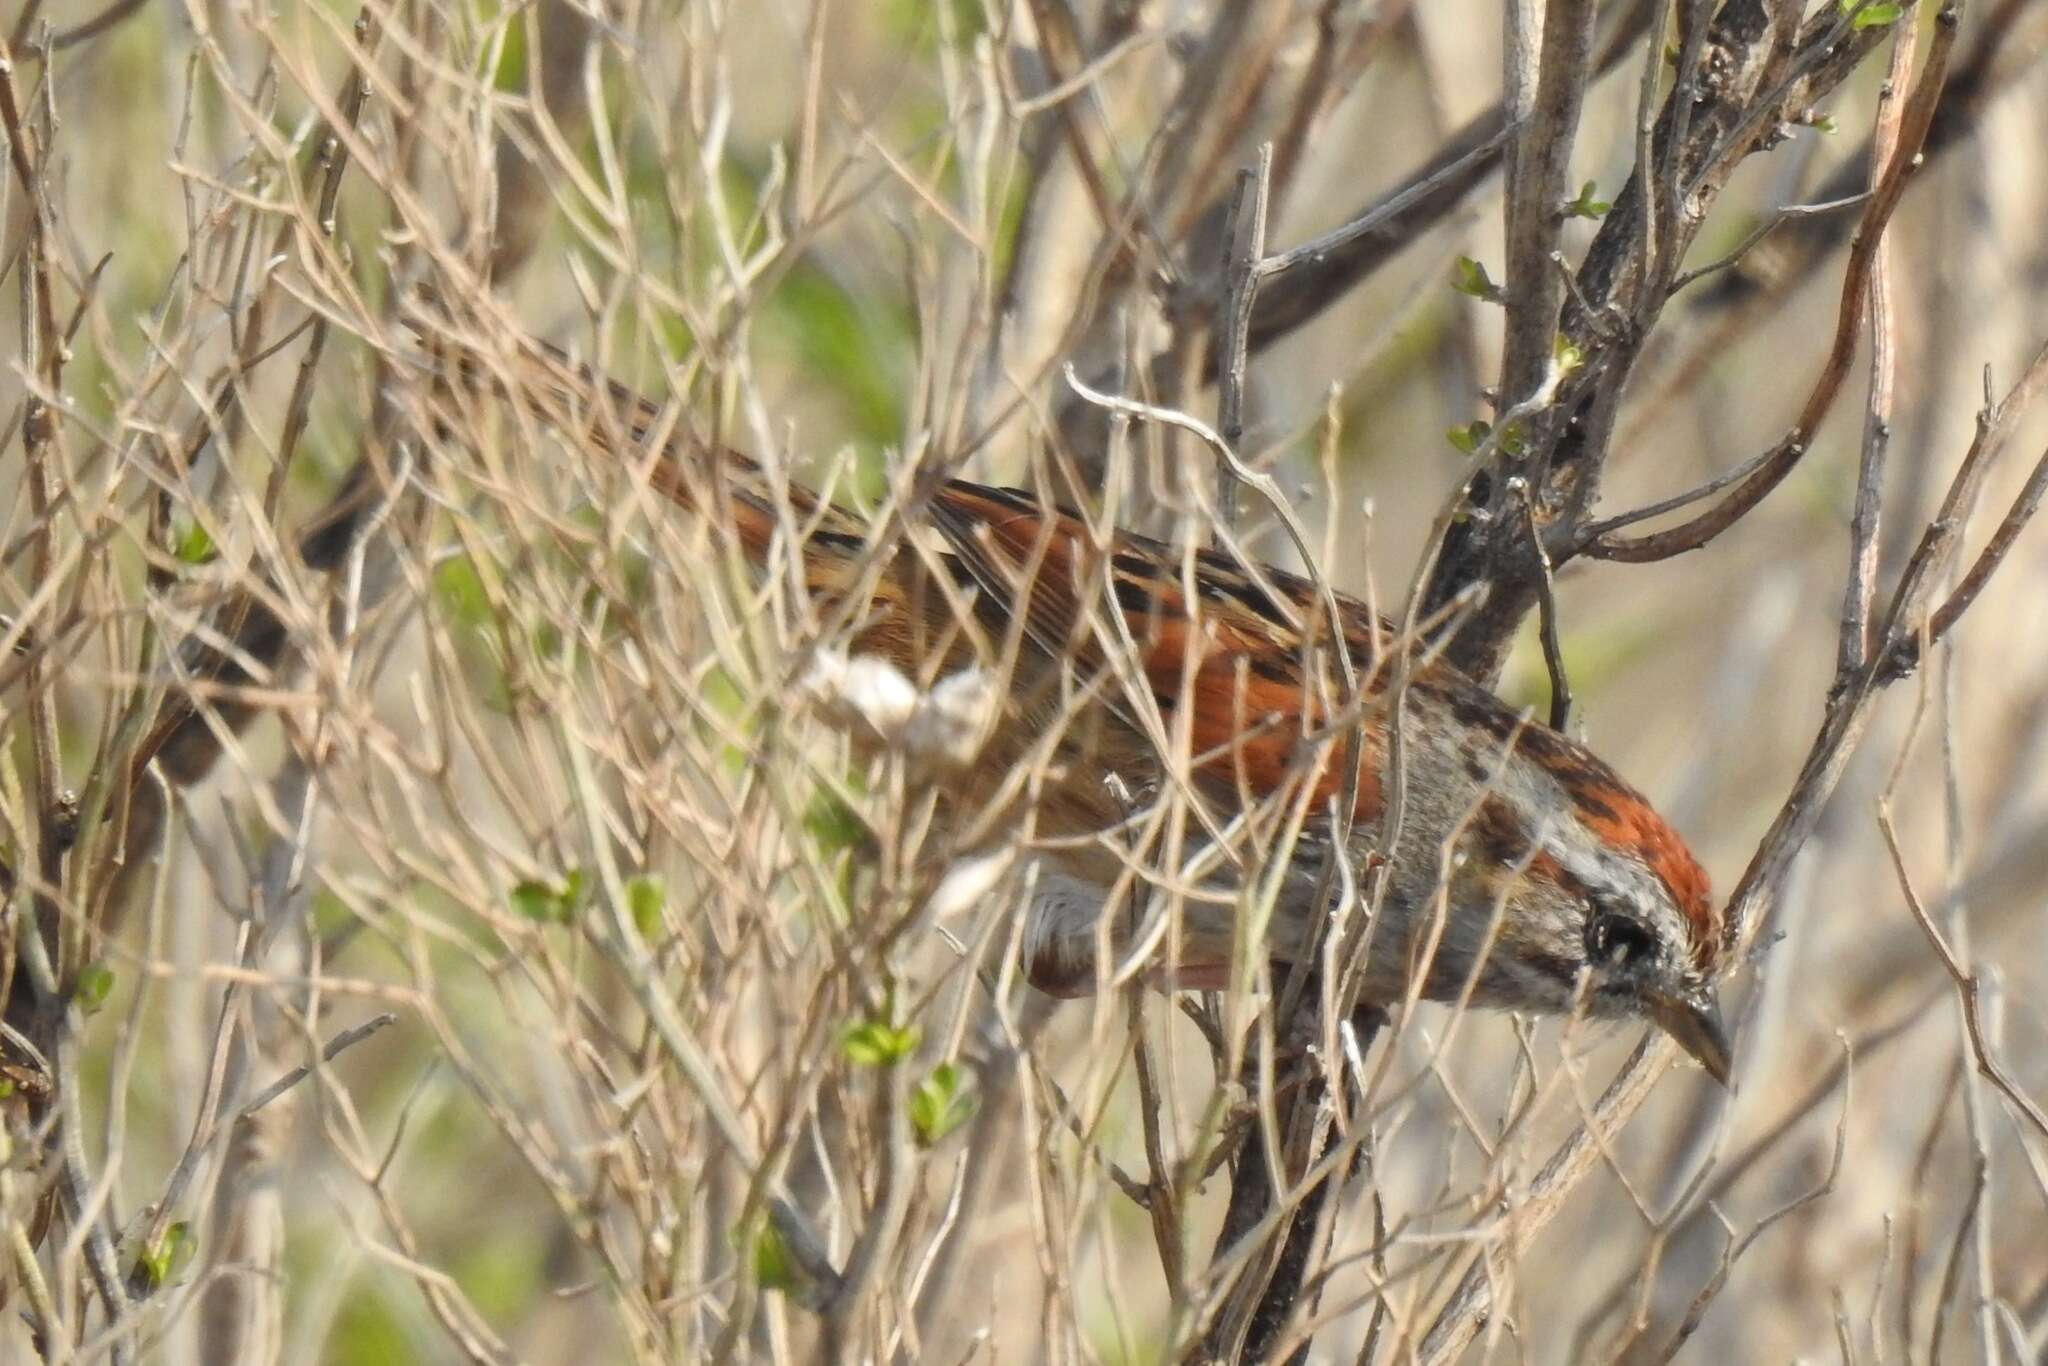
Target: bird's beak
1694	1021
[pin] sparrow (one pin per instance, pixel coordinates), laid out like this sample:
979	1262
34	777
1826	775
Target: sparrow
1516	869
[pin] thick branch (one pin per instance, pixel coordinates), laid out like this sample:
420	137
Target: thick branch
1539	162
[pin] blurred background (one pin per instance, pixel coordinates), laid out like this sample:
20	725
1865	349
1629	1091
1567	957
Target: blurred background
522	767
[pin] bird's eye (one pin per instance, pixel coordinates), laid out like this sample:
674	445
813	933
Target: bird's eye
1616	940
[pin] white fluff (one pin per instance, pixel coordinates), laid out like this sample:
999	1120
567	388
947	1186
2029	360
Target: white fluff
868	689
944	725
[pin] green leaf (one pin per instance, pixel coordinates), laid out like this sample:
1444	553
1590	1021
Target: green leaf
534	900
1471	436
191	543
1872	16
546	904
95	984
1469	277
1567	354
540	903
877	1043
461	590
645	899
833	825
775	1266
941	1104
168	1258
1586	206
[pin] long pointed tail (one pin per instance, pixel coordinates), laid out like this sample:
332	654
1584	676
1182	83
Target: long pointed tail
885	590
599	415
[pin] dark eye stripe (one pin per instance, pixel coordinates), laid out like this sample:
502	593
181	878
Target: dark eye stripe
1564	971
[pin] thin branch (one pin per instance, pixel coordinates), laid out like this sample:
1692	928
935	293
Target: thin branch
1392	217
1952	1269
1966	986
1607	527
336	1046
2023	510
1696	1313
1780	460
1789	213
92	28
1853	643
1067	66
1546	600
1317	274
1995	426
1242	269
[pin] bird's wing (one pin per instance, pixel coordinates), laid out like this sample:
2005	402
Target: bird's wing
1235	658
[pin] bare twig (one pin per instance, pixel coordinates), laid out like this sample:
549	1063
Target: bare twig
1853	645
1788	214
1245	253
1317	273
339	1044
1553	646
1996	423
1539	164
1945	1299
1891	186
1390	217
1695	1314
1981	1056
92	28
2025	505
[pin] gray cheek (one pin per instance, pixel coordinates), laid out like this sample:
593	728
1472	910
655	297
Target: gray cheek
1463	944
1530	961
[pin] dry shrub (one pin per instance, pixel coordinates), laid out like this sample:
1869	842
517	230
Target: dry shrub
441	928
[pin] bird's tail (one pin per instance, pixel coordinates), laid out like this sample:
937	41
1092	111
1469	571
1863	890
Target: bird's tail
884	587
